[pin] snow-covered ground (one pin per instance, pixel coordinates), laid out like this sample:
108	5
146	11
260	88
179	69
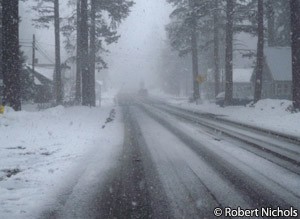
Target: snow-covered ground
268	113
42	152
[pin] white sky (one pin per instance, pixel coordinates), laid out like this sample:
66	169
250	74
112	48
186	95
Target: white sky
136	55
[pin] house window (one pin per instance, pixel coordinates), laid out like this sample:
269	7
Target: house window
286	89
279	89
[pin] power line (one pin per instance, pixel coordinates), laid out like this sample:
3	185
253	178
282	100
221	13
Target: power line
46	44
41	51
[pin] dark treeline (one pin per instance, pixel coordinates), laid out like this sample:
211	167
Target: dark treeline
88	23
198	28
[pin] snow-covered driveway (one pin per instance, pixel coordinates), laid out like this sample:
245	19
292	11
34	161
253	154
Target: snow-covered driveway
46	155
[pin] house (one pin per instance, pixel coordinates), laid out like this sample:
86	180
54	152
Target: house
242	85
277	73
38	83
36	86
44	78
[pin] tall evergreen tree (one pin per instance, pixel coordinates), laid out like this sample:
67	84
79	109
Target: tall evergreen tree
260	51
271	22
58	79
229	52
295	36
183	34
216	47
84	47
103	18
49	13
117	10
78	53
194	45
93	53
10	45
282	25
278	22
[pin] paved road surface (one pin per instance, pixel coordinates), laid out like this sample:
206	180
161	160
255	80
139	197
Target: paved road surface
178	165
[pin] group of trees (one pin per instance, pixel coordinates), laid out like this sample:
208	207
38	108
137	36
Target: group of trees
208	27
87	29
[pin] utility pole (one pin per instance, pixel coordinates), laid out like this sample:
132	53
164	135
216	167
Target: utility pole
33	53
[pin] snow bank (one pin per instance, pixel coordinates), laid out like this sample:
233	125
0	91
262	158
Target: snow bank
268	113
40	151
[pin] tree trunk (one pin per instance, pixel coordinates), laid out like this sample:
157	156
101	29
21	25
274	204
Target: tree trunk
194	45
229	52
216	48
11	63
295	35
93	54
78	55
84	45
260	51
271	23
58	80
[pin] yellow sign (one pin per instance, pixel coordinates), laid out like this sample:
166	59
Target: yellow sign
1	109
200	79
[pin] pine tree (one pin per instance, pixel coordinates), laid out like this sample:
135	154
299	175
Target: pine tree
194	45
271	22
93	53
49	13
183	35
229	52
216	47
84	47
102	31
278	22
10	45
58	79
118	11
78	53
260	51
295	35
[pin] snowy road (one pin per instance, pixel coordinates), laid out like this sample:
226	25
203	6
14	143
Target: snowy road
178	165
202	169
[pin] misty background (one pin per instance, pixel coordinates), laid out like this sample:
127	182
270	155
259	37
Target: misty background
137	56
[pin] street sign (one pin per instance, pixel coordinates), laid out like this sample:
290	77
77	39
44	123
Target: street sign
1	109
200	79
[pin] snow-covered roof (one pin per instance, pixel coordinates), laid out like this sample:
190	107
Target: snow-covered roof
37	81
47	71
242	75
279	60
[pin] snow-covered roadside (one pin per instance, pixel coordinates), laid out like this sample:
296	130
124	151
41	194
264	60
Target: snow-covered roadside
268	114
41	152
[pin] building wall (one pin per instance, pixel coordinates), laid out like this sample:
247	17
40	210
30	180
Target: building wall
275	89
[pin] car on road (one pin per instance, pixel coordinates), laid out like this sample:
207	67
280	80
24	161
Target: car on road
143	92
